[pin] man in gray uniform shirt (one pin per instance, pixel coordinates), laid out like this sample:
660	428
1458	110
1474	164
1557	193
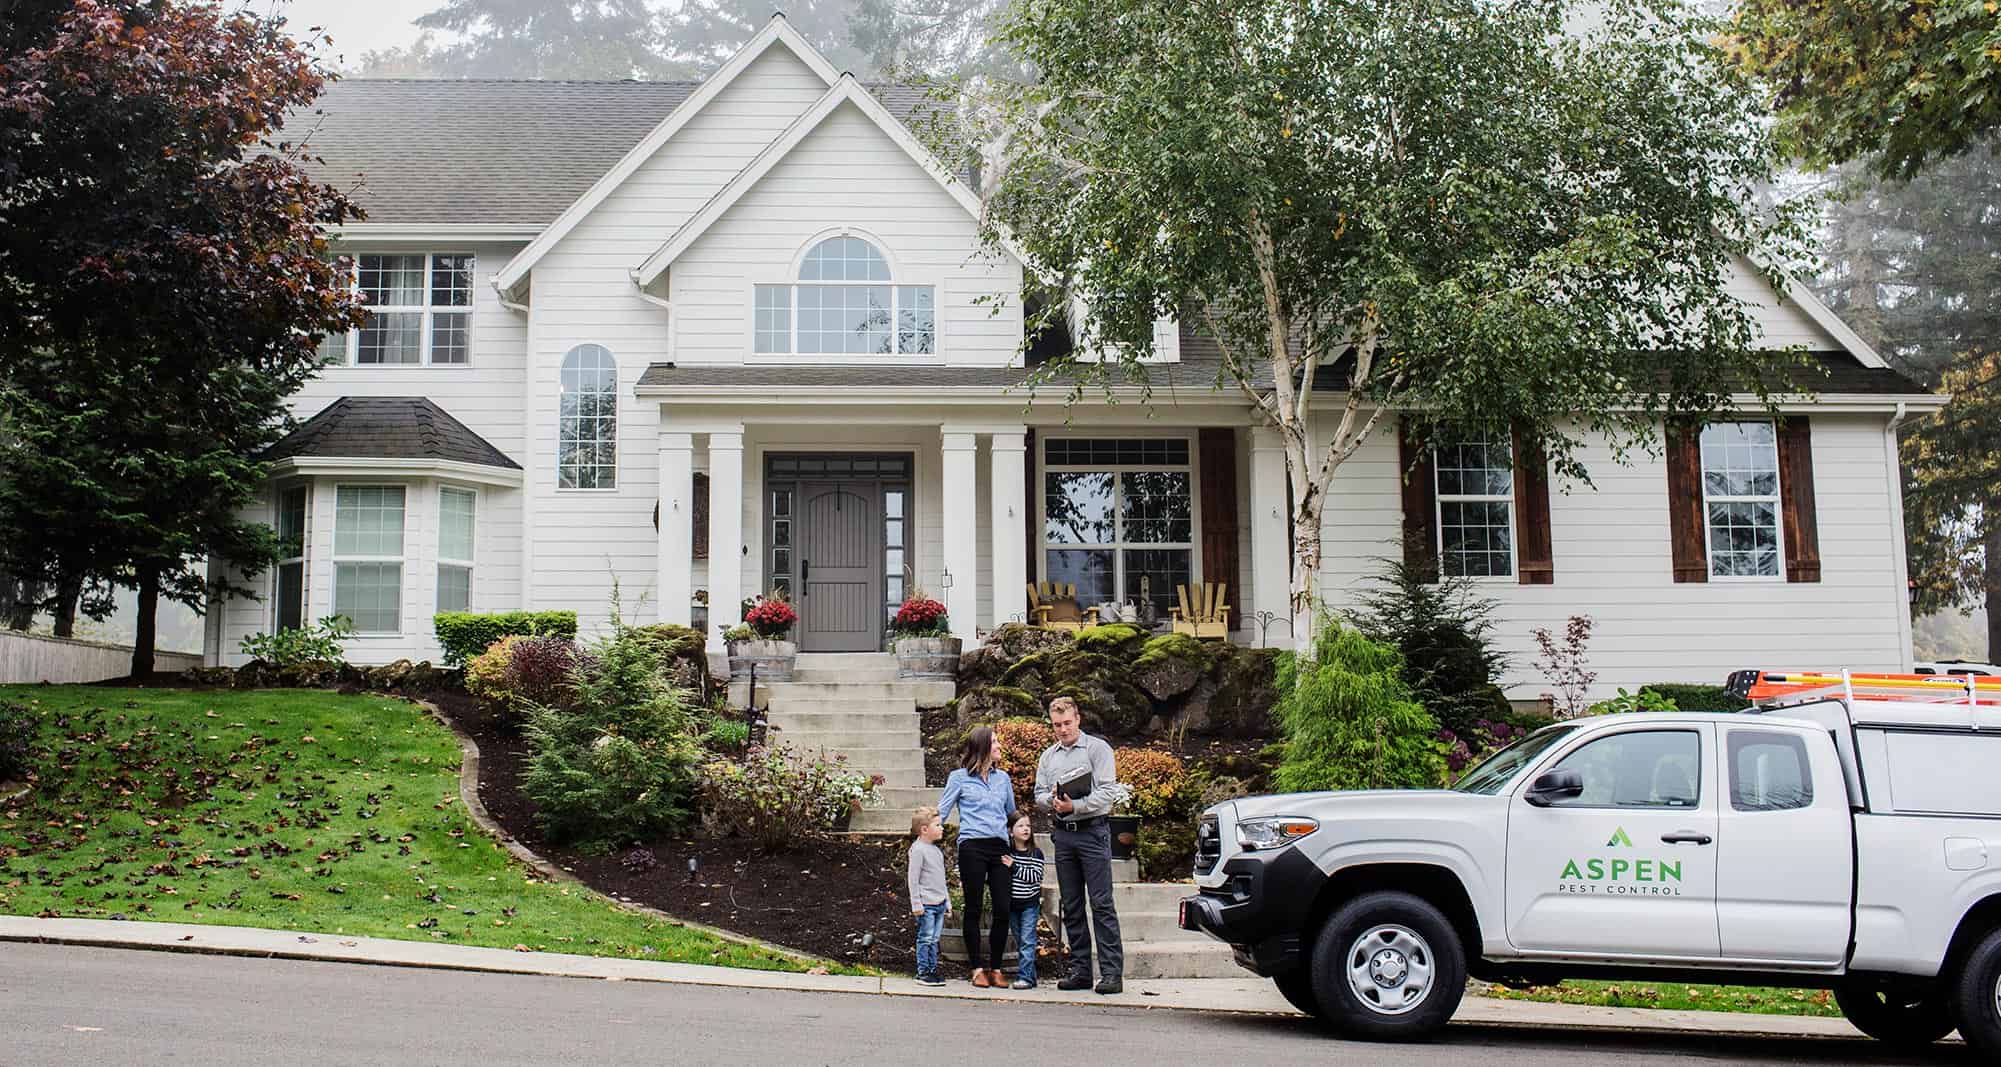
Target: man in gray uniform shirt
1083	838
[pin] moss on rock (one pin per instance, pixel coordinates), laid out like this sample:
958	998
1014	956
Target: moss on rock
1112	638
1170	665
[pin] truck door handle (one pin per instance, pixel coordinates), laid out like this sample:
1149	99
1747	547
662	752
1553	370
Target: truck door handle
1686	837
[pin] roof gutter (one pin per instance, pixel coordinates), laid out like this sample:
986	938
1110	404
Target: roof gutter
502	294
638	287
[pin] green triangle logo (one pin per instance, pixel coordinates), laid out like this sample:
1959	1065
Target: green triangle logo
1619	838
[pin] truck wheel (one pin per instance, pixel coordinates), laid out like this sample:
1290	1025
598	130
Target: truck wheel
1297	988
1907	1019
1976	1001
1388	967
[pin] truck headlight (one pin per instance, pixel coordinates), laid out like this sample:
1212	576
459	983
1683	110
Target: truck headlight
1275	831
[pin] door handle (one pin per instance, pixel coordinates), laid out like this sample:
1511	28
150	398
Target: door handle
805	572
1686	837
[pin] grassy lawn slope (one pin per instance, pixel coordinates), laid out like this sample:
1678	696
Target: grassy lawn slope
293	809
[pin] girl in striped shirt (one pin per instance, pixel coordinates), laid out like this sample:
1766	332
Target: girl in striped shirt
1025	859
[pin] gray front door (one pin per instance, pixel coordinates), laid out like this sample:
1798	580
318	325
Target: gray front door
840	564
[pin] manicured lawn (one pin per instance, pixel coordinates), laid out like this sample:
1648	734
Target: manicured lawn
1752	999
294	809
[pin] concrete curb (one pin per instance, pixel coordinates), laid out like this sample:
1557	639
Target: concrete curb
1228	996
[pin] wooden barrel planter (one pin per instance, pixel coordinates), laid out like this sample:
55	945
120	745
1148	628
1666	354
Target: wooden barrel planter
772	658
927	657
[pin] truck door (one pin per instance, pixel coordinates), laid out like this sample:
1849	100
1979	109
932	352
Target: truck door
1628	867
1785	862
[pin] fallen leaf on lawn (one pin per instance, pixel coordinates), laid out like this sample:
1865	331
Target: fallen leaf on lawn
188	937
817	970
303	939
523	948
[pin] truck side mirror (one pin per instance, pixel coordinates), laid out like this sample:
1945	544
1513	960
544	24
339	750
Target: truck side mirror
1553	786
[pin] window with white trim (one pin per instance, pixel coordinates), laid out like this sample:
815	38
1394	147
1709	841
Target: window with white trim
289	597
457	510
1118	518
419	311
844	303
587	421
1476	507
1740	499
368	557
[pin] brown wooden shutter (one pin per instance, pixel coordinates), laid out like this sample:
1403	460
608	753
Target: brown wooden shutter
1219	505
699	506
1420	504
1533	557
1801	525
1684	488
1031	507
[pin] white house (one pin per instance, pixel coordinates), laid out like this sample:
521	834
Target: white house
729	336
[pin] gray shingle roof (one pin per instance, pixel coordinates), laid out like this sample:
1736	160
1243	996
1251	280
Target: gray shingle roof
388	427
512	153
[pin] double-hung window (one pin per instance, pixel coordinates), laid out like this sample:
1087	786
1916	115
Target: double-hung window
1740	499
1476	508
368	557
457	509
844	303
1119	518
419	311
290	601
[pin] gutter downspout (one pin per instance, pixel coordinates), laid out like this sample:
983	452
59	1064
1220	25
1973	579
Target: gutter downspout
657	301
1893	455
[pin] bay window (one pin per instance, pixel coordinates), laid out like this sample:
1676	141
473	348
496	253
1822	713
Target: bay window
1119	518
456	512
289	599
368	557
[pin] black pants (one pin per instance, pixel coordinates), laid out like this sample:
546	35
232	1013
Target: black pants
1084	873
981	873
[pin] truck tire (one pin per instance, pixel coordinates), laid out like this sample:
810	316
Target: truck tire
1976	1001
1894	1017
1297	988
1388	966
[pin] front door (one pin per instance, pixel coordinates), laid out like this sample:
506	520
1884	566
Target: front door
840	566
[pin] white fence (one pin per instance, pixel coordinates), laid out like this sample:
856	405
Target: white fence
34	658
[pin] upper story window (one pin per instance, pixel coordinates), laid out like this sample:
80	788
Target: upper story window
1476	508
844	303
1740	498
419	311
587	421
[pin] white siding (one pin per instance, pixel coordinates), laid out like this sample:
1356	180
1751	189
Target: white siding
1614	563
1783	322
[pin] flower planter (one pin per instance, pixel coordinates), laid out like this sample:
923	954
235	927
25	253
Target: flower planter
1125	836
927	657
772	658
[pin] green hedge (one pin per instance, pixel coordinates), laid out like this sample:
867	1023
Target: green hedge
466	634
1688	696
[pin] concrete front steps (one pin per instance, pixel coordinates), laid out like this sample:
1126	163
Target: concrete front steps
1150	930
851	704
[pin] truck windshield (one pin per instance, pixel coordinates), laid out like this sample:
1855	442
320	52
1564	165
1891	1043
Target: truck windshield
1492	774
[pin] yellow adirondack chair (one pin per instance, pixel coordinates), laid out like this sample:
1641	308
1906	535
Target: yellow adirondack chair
1207	616
1053	606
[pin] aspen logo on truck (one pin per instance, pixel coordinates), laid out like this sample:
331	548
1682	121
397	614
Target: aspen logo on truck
1621	875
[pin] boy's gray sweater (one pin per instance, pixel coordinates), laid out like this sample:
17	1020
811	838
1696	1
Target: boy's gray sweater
927	875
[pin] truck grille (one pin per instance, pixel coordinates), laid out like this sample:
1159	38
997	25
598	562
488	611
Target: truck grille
1208	845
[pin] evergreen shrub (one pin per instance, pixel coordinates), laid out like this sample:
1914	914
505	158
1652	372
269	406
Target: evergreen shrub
1350	721
465	634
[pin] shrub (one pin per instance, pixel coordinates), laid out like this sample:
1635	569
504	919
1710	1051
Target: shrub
1442	628
1563	662
319	643
540	670
18	727
921	616
465	634
486	674
1156	782
775	797
1350	720
1690	697
1626	703
1022	741
617	761
726	735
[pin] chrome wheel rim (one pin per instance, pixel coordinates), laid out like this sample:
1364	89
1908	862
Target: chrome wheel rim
1390	969
1997	996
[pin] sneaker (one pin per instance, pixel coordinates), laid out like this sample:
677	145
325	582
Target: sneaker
1109	986
1074	982
1022	983
930	980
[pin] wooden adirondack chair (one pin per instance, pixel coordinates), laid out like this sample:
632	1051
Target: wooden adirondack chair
1053	606
1207	616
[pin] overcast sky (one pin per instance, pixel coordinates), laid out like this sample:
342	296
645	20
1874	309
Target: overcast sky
357	26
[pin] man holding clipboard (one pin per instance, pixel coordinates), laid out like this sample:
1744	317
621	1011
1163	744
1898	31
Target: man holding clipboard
1070	783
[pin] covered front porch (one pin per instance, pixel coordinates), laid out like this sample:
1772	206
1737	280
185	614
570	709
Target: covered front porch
847	508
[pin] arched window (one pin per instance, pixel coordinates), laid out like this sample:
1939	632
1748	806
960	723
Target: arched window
587	425
845	305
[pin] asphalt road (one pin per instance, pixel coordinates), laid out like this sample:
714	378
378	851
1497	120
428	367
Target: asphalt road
67	1005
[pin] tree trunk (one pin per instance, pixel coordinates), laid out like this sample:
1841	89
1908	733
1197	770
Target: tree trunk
68	592
1310	501
1991	578
28	599
148	622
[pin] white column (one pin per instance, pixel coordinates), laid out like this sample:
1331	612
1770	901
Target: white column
1006	512
725	529
1271	543
962	550
672	585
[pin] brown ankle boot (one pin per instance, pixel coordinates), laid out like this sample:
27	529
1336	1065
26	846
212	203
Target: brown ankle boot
980	979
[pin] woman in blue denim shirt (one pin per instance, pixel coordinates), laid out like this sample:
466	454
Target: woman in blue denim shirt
984	798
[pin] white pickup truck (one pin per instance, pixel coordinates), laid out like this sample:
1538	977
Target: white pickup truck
1838	842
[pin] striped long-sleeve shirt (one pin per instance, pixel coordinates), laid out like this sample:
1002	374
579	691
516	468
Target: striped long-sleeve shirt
1027	873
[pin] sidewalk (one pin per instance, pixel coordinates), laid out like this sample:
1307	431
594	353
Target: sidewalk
1240	995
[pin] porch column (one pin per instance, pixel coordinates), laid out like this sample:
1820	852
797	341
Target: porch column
1271	541
677	494
962	550
1010	536
725	530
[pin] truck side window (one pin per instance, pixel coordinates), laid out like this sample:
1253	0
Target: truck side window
1641	769
1768	771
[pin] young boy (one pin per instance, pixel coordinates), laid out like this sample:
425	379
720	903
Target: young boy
1026	860
929	901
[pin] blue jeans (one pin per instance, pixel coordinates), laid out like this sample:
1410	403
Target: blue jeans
1026	914
929	926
